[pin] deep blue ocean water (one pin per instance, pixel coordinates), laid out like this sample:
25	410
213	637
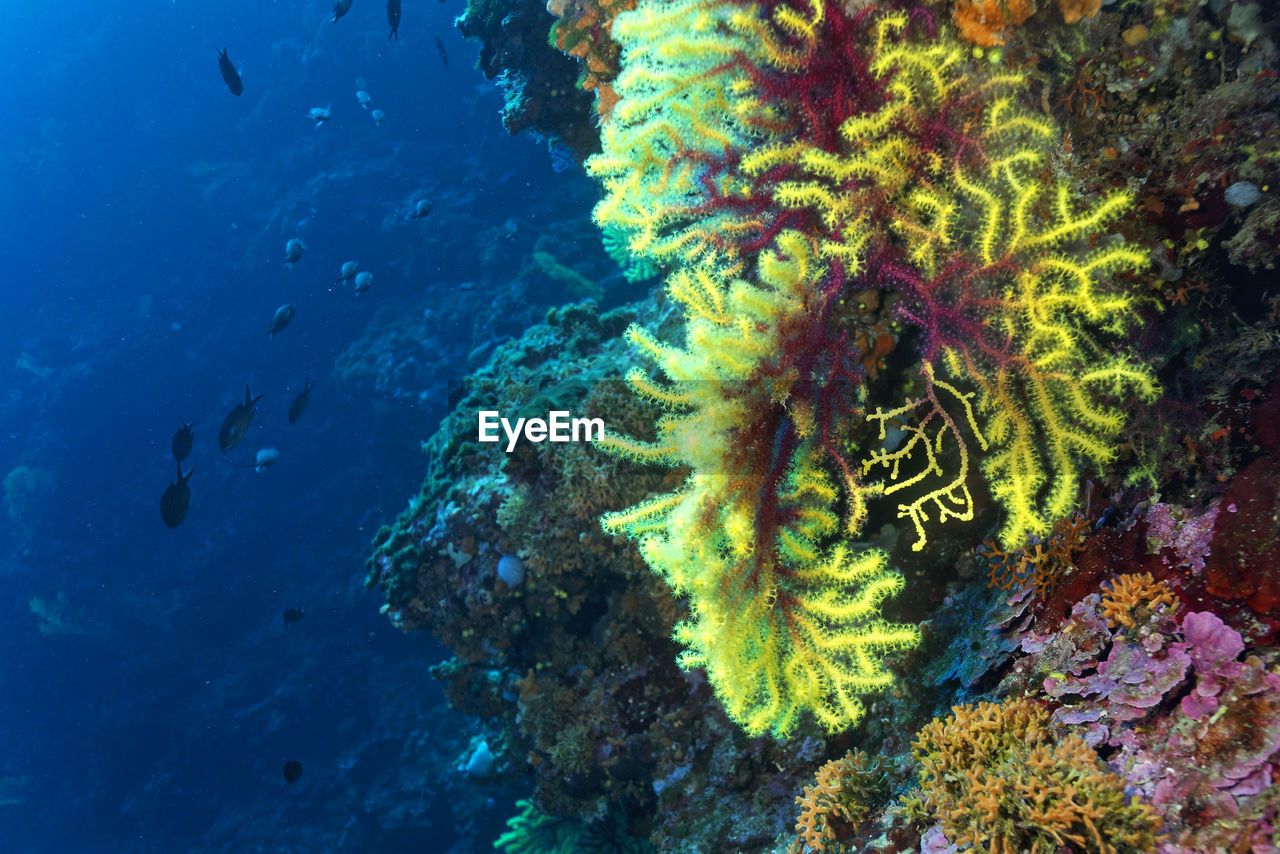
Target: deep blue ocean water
149	689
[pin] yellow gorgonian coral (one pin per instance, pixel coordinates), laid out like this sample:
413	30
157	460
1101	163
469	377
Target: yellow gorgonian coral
778	160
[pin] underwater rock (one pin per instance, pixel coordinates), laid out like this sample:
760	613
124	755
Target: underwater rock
540	82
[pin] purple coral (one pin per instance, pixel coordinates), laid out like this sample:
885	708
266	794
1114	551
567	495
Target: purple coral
1186	533
1210	642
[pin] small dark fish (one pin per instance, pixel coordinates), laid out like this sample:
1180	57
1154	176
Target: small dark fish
421	208
444	57
292	767
176	500
229	74
393	18
293	615
182	441
349	270
301	402
340	8
264	459
284	314
294	248
237	422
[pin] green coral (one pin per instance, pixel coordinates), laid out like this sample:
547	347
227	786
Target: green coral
574	283
532	831
635	268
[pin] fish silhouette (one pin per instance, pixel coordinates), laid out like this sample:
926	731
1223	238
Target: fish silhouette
182	441
237	422
301	402
349	270
393	18
229	74
176	500
281	319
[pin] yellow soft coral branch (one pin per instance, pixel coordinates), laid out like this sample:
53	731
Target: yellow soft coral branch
791	623
952	498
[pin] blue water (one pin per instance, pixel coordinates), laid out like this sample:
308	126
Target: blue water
151	692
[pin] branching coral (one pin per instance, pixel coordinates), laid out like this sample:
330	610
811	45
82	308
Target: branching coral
1040	565
1132	598
841	796
781	622
779	159
997	778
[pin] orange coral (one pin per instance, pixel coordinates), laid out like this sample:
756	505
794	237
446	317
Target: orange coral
584	31
984	22
1041	565
1075	10
998	779
839	800
1137	596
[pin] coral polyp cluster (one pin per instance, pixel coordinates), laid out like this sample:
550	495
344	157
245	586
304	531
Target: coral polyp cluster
842	795
780	158
999	779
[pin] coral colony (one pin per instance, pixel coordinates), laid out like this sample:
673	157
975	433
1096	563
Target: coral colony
817	168
890	307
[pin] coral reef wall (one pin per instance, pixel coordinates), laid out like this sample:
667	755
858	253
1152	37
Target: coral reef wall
948	440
